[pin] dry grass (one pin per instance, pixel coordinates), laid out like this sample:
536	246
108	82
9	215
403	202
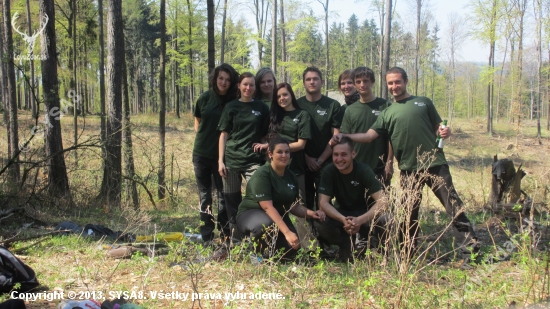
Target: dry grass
77	264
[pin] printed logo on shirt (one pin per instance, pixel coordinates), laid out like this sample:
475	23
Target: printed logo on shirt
355	183
376	113
256	113
322	188
296	120
420	103
322	113
259	195
291	186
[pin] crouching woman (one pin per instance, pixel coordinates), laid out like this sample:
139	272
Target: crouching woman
271	194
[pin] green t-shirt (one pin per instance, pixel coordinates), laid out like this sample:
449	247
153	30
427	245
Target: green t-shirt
266	185
325	115
358	118
267	102
246	124
410	125
296	125
208	109
350	190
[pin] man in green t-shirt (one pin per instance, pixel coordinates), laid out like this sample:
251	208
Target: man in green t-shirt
348	180
412	124
359	117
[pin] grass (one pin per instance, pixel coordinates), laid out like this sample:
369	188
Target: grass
513	268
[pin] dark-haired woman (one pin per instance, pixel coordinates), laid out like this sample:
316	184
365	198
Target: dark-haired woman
271	194
243	124
265	82
208	110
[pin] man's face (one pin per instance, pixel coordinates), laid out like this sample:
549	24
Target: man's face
363	84
313	83
396	85
342	156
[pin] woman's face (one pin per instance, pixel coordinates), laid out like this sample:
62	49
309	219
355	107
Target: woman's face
266	84
247	87
280	157
284	99
347	87
223	82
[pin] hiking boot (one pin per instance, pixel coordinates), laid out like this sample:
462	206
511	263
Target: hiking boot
220	254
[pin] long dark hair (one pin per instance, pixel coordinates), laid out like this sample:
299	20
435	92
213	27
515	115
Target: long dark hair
234	78
276	113
241	77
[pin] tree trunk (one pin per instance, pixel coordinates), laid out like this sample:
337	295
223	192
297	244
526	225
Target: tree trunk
211	38
102	79
112	171
10	91
274	39
325	8
31	60
222	50
387	37
283	41
53	145
417	45
162	100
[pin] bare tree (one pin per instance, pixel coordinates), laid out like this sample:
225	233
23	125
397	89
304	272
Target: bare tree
222	50
162	95
325	8
538	17
31	60
283	40
387	46
53	146
261	9
102	75
455	38
112	170
211	38
9	88
274	38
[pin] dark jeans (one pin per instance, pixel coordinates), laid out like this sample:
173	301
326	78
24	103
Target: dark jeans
312	181
207	176
439	179
255	223
332	232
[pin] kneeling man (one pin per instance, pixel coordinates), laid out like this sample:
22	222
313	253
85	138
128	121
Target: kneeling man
350	182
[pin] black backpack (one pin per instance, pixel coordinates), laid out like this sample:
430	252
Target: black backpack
13	271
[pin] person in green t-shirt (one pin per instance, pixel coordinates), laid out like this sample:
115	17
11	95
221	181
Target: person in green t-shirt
359	117
208	110
348	180
347	88
265	82
412	124
271	193
243	125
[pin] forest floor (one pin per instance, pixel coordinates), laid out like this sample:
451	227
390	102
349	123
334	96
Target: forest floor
511	269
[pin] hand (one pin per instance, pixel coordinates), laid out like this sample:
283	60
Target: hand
259	147
388	172
222	170
444	132
352	225
293	240
335	139
317	215
312	164
322	215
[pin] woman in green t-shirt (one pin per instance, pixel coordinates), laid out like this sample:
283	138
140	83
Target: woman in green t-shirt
265	82
208	110
271	193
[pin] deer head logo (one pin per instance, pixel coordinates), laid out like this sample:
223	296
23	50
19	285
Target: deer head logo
32	38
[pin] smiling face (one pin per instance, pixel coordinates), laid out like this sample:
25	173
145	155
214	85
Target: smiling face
313	83
284	99
347	87
266	85
280	157
247	86
396	85
342	156
223	82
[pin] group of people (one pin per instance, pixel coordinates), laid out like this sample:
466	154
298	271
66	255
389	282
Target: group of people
325	163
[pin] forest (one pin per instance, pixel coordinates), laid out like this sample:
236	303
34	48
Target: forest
97	101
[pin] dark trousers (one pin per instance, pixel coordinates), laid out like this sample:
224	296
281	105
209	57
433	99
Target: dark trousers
312	181
332	232
439	179
208	177
256	224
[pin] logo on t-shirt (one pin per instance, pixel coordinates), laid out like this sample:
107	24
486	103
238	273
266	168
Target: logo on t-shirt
291	186
256	113
259	195
322	113
296	120
420	103
355	183
376	113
